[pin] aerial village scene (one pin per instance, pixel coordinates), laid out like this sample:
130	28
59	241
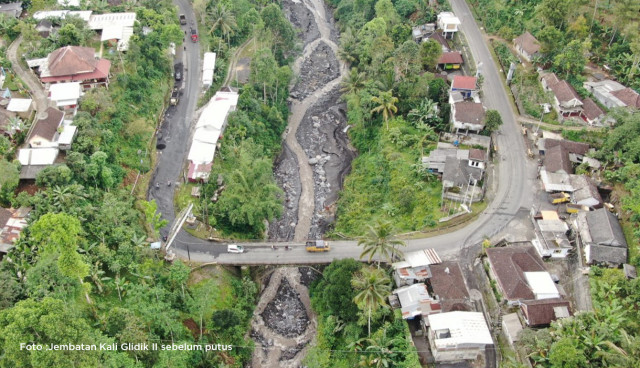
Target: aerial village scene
319	183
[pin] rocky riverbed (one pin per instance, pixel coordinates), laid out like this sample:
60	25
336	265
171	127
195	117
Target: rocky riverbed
315	158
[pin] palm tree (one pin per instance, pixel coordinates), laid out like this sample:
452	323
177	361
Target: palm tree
353	83
222	19
386	105
373	288
380	240
380	346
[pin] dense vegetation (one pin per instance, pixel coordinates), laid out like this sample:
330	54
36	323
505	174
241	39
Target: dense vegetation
252	138
82	271
347	299
396	110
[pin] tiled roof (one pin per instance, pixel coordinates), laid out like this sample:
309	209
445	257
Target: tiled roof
448	284
556	158
453	57
464	82
101	72
469	112
48	127
571	146
605	228
563	91
71	60
628	96
477	154
584	188
591	110
528	43
509	265
542	312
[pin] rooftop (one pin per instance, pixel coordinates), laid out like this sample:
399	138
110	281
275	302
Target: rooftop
605	228
528	43
48	127
590	109
70	60
459	173
542	285
464	328
469	112
628	96
544	311
453	57
464	82
563	91
556	159
509	265
449	286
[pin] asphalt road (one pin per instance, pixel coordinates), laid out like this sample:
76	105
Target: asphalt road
515	175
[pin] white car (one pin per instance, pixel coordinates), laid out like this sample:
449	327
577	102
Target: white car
233	248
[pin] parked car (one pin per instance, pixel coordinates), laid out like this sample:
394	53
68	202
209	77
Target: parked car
183	19
175	97
194	35
233	248
317	246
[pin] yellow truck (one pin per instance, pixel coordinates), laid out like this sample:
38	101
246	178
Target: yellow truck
317	246
558	198
575	208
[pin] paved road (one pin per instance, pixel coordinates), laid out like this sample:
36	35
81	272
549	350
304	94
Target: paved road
37	91
176	132
515	179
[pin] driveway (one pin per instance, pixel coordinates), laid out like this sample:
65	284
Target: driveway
37	91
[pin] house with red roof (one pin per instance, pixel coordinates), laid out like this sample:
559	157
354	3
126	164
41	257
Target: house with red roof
75	64
466	85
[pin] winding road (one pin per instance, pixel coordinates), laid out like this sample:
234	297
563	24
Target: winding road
514	181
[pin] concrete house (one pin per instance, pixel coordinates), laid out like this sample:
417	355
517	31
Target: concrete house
592	114
415	301
415	267
461	181
466	85
467	116
421	32
613	94
45	131
566	100
527	46
508	266
458	336
585	192
12	221
66	96
551	235
75	64
601	236
448	23
436	160
449	287
540	313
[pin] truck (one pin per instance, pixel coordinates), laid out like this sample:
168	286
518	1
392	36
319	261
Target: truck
194	35
175	97
183	19
317	246
558	198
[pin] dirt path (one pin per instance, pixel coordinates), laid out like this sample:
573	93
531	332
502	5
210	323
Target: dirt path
301	102
234	61
36	89
283	322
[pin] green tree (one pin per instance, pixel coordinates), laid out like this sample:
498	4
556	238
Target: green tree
9	180
335	294
385	10
353	83
572	59
425	115
281	29
493	121
373	288
153	217
565	353
263	71
52	321
408	58
386	104
222	19
58	234
430	52
380	240
251	194
551	41
554	12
